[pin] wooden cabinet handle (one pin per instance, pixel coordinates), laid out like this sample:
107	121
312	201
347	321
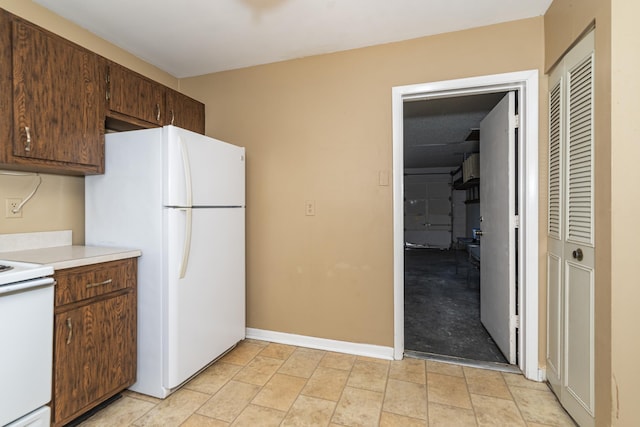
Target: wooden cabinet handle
28	146
172	116
93	285
107	80
70	328
158	112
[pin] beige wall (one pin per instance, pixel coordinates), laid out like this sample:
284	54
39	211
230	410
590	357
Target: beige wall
57	205
625	205
319	128
59	202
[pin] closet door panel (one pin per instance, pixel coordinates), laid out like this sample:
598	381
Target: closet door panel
570	231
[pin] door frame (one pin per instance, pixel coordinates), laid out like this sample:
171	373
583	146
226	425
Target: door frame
526	83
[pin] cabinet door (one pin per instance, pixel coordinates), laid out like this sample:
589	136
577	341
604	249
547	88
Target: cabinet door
184	112
135	96
6	106
94	357
58	99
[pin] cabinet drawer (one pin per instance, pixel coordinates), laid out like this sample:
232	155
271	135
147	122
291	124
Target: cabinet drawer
80	283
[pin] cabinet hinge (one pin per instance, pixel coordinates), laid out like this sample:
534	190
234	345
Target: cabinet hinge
516	321
516	221
516	121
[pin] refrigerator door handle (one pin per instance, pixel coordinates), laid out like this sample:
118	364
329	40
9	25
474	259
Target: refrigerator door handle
186	166
187	242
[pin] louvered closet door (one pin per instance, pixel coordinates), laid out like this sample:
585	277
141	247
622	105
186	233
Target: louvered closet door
555	250
570	259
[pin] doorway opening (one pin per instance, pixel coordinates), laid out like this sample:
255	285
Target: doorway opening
442	252
524	263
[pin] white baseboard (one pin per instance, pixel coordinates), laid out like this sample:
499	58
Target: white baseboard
368	350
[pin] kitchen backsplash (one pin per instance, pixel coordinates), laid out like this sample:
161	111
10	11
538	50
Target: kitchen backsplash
36	240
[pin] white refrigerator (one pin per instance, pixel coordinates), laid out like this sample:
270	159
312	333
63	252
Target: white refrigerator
179	197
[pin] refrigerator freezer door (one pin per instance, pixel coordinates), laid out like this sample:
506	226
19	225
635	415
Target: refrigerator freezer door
201	171
205	310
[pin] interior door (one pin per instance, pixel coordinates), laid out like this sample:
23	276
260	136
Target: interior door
571	248
497	216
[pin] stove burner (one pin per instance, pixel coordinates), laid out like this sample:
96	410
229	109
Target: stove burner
5	268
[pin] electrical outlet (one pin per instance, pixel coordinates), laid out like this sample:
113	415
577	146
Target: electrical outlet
310	207
11	205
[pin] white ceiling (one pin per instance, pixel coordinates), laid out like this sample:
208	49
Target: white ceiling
194	37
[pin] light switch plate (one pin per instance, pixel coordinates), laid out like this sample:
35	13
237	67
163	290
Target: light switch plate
383	178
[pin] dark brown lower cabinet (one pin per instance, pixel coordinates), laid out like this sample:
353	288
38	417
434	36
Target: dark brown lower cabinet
94	338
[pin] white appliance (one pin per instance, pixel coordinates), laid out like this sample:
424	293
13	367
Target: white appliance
179	197
26	337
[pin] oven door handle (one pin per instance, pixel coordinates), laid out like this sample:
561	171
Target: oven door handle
26	285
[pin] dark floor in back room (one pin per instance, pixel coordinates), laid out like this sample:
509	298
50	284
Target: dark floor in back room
442	306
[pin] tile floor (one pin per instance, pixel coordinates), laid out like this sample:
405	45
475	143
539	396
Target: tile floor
268	384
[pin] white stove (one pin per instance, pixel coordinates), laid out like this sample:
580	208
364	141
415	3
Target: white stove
26	334
12	272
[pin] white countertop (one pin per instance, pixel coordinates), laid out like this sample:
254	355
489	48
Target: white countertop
60	257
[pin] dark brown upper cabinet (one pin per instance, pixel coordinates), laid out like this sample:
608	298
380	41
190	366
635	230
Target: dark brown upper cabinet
184	112
134	98
135	101
57	98
57	105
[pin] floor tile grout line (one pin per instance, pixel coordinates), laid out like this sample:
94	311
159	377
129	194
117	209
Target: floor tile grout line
226	383
204	403
515	402
529	390
233	379
307	382
408	381
346	384
384	394
335	408
473	407
286	413
426	391
272	375
132	423
211	396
